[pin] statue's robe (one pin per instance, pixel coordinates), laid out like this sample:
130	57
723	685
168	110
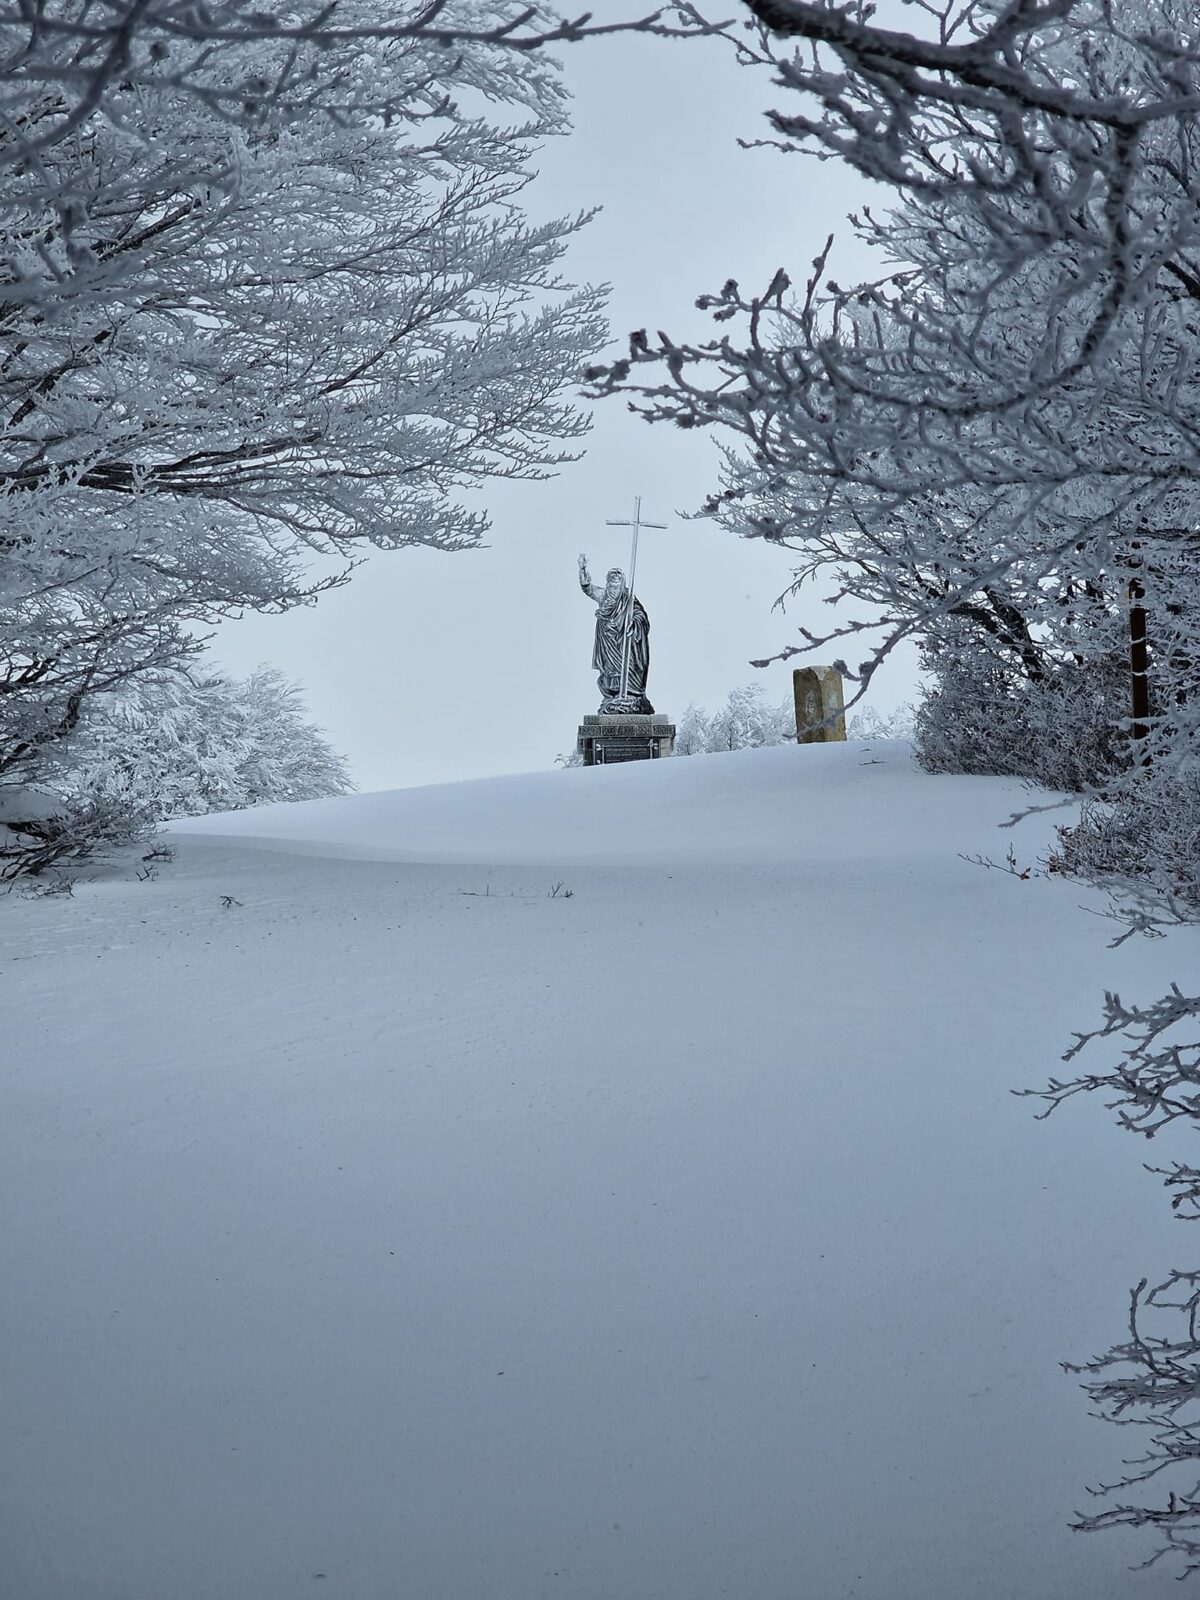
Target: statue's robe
611	613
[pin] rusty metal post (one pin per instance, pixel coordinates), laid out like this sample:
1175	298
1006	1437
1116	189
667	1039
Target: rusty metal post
1139	671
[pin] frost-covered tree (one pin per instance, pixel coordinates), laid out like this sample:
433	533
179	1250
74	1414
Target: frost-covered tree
691	731
991	449
999	432
79	54
229	345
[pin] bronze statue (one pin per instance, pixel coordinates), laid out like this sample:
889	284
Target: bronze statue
621	655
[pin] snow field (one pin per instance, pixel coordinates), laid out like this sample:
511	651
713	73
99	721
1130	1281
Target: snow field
403	1231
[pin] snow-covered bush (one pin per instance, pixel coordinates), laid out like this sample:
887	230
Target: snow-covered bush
868	723
1066	728
40	831
1147	837
744	721
178	746
161	747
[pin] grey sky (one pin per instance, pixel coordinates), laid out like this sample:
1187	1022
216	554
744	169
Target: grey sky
431	667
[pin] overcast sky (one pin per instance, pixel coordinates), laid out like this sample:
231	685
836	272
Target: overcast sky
430	667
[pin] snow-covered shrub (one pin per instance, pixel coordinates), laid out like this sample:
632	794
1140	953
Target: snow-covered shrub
1147	835
745	721
872	724
164	747
982	712
178	746
66	831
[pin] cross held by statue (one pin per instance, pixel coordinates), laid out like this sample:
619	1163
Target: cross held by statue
637	525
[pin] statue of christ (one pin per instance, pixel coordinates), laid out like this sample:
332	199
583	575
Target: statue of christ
621	655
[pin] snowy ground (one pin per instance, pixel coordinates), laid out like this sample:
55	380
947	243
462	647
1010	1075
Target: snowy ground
402	1232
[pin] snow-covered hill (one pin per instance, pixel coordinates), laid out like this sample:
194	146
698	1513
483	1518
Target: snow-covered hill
385	1223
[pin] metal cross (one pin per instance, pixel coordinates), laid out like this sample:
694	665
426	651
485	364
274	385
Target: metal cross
637	525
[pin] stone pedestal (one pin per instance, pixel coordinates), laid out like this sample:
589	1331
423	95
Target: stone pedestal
628	737
818	693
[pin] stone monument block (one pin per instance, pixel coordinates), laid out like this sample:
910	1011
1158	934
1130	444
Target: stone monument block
819	700
624	737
